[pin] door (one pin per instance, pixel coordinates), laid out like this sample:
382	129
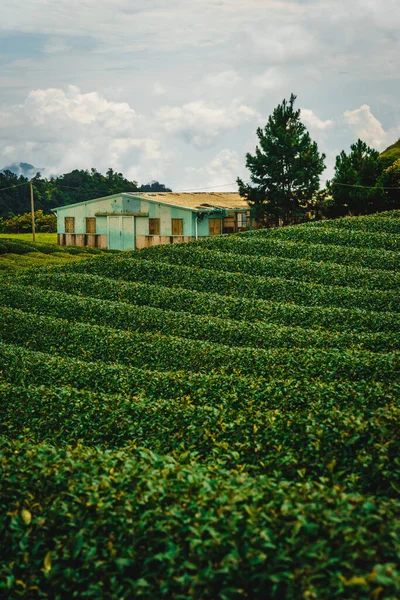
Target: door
215	226
114	233
121	233
128	233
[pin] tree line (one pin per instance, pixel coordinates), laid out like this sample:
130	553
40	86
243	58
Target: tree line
287	165
77	186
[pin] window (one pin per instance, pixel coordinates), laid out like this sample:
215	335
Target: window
154	226
177	226
90	225
69	224
241	220
215	226
229	224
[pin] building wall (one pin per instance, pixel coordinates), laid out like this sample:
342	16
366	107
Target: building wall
113	204
124	204
164	212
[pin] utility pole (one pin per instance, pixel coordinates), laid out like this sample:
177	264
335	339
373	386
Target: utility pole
32	211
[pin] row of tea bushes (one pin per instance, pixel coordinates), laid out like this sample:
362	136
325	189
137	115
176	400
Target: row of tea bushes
18	246
287	268
362	438
266	246
71	527
389	222
221	331
235	284
21	366
147	350
205	303
336	236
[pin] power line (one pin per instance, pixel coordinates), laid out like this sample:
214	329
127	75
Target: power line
14	186
365	187
208	188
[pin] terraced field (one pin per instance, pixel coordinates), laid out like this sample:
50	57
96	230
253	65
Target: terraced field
218	419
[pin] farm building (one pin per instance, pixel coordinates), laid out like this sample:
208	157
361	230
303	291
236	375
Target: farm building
134	220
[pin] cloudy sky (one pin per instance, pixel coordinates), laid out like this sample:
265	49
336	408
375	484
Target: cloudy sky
174	90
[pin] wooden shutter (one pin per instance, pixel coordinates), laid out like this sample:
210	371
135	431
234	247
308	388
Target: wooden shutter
242	220
90	224
69	224
215	226
229	224
177	226
154	226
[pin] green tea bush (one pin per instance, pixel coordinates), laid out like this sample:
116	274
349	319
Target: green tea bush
373	223
25	367
204	303
289	268
266	439
147	319
234	284
267	246
148	350
212	420
99	524
334	235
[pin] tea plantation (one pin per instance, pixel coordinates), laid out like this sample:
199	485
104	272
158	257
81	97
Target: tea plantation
218	419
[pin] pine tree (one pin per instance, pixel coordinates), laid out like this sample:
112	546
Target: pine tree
354	185
285	168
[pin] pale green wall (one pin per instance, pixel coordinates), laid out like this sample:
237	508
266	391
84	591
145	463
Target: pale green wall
89	209
123	203
164	212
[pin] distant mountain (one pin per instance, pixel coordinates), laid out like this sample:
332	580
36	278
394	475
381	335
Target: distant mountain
22	168
391	154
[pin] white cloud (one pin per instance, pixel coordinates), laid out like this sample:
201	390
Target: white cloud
53	105
367	127
159	89
219	173
311	120
62	130
283	42
224	79
270	79
201	123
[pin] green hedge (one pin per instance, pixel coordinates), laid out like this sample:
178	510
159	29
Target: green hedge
126	524
221	331
203	303
387	223
287	268
234	284
156	351
26	367
336	236
267	246
363	438
16	246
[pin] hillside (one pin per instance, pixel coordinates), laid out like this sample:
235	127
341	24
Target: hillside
18	251
391	154
217	419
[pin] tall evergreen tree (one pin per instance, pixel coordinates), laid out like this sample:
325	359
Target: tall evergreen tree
354	185
285	168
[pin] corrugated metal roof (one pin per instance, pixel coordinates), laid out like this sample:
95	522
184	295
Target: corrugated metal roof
196	200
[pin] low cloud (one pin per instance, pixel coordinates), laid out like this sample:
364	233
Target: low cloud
224	79
313	122
63	130
366	126
200	123
219	173
270	79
